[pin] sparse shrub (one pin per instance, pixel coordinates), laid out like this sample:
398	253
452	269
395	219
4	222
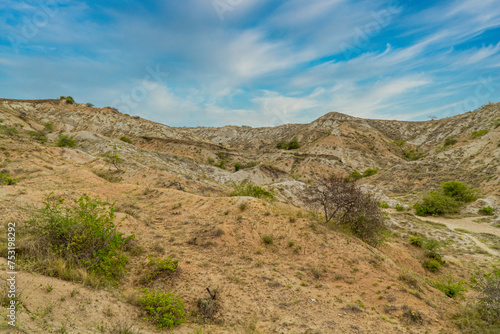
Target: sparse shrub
411	278
7	179
413	154
157	267
291	145
243	206
253	190
449	288
210	308
49	127
479	133
450	141
126	139
316	272
112	157
417	240
410	153
83	236
221	164
268	239
8	131
345	203
399	207
113	176
66	141
239	166
123	328
483	316
383	204
496	123
90	105
354	176
68	99
165	310
487	211
432	265
411	316
351	308
291	243
369	172
38	136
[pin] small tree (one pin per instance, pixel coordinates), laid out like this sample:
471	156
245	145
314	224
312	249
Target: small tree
112	157
345	203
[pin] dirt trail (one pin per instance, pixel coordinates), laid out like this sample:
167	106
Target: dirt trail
469	225
466	224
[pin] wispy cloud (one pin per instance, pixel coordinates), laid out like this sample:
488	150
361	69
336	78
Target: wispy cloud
264	63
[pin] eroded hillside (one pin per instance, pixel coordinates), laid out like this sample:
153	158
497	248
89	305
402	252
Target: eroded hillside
277	268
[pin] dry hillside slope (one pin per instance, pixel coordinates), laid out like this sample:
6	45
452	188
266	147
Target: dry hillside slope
276	267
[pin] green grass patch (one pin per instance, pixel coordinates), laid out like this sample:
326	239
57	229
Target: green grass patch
253	190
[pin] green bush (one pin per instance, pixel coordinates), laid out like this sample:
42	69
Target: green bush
436	203
69	99
369	172
291	145
294	144
459	191
126	139
354	176
448	199
253	190
83	235
383	204
163	309
7	179
449	288
487	211
450	141
221	164
477	134
432	265
157	267
399	207
90	105
66	141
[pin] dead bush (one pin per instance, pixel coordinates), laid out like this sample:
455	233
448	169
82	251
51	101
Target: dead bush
345	203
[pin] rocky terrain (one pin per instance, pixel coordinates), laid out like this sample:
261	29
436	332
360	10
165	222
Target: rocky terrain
173	188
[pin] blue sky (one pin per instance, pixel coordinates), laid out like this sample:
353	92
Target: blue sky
254	62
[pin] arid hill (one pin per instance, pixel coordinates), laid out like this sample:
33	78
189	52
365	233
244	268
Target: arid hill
276	266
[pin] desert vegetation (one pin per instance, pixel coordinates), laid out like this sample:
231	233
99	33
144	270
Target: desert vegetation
449	198
343	202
